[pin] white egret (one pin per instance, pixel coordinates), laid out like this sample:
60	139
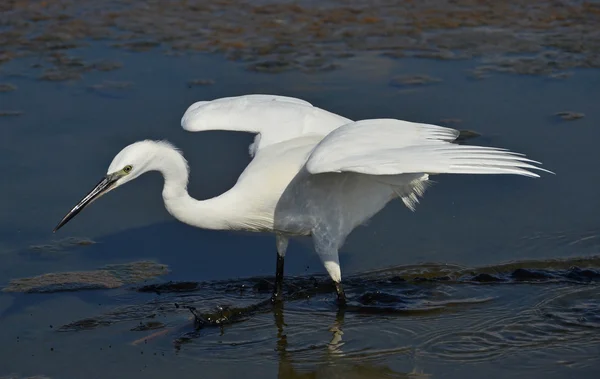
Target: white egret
313	173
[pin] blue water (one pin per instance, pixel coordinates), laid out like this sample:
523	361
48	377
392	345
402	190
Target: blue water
62	145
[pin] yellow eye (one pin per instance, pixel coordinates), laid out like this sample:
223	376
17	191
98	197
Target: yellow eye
127	169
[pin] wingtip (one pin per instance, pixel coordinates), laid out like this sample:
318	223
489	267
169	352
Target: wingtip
188	115
545	170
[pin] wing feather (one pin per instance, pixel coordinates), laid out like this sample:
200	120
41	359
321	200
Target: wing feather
394	147
273	118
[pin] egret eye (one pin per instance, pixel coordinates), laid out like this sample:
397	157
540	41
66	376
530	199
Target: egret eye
127	169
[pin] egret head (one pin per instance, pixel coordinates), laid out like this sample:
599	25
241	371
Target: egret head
128	164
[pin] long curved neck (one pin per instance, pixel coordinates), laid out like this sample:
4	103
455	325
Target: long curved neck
213	213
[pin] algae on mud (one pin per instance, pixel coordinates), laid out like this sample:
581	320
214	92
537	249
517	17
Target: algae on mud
536	37
109	276
399	290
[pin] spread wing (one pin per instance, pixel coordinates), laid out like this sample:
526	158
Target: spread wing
394	147
273	118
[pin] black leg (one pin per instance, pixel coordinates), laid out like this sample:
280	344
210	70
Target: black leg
341	295
278	291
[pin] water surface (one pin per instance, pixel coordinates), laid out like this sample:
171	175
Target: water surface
426	313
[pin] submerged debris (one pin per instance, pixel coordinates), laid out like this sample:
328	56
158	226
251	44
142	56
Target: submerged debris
570	116
413	80
110	276
561	75
10	113
200	82
271	66
107	65
139	45
150	325
110	88
7	87
378	297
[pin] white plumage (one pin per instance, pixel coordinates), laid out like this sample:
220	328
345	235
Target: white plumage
273	118
313	172
345	171
393	147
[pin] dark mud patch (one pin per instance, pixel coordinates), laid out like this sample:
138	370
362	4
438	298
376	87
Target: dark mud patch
110	276
533	38
487	278
170	287
402	291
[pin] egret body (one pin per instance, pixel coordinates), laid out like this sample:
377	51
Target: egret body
313	173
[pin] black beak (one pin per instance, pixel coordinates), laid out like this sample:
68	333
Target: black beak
105	185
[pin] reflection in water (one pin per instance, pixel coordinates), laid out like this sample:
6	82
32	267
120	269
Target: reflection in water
335	346
404	322
432	314
333	365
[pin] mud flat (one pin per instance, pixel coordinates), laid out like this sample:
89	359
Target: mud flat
534	38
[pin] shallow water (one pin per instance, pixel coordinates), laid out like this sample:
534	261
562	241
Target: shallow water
465	314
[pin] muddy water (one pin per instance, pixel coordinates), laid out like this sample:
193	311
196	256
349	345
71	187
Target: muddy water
494	276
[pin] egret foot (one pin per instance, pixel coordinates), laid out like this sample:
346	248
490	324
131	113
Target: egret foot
341	295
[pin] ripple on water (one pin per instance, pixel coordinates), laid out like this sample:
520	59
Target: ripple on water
563	319
577	309
551	310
